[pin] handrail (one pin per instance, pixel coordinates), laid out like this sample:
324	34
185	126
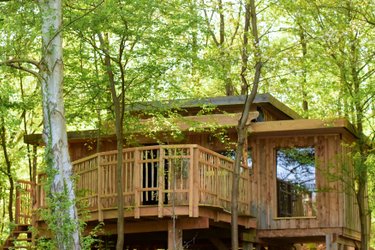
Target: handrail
162	176
24	201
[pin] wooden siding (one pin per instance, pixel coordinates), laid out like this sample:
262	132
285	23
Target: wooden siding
331	195
350	204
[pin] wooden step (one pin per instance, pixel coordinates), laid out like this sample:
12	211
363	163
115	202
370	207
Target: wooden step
18	237
23	227
17	247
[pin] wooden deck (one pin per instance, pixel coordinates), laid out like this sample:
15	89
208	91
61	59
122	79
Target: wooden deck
158	181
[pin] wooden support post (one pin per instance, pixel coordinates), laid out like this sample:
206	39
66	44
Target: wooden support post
248	237
247	246
331	242
174	236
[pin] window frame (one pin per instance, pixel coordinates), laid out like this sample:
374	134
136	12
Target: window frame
276	197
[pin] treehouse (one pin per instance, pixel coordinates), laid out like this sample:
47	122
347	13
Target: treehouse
296	180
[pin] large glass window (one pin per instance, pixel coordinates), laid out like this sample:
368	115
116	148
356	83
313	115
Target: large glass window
296	183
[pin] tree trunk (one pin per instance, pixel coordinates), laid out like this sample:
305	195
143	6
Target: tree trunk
64	213
8	172
24	120
119	106
305	103
361	167
362	177
250	19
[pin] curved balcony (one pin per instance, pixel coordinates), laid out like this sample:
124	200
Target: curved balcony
158	181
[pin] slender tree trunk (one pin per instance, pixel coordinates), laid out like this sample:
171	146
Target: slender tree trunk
305	103
29	159
3	210
64	212
361	167
8	172
120	197
119	111
250	19
362	195
221	46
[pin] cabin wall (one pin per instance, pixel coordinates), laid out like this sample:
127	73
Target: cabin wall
331	195
84	148
351	213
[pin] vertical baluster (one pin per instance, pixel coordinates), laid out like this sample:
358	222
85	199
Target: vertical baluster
137	181
161	182
100	187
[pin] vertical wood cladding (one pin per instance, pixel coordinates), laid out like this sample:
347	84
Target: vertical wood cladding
335	205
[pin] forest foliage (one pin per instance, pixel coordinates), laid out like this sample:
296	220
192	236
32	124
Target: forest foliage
318	58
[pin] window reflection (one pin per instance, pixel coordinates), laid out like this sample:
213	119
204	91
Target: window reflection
296	183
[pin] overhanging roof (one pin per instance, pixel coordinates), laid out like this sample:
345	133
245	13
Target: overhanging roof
263	100
303	126
270	128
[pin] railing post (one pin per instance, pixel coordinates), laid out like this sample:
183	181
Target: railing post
33	209
194	183
18	205
137	181
216	179
160	181
249	190
191	183
100	188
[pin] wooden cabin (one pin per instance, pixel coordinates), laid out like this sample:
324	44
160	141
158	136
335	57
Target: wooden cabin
296	182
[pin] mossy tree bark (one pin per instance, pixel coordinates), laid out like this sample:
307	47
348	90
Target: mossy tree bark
65	220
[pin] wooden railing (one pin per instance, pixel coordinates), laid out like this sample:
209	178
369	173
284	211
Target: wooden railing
24	202
159	176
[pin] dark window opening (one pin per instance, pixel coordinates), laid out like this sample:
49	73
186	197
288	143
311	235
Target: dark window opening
296	182
260	117
150	179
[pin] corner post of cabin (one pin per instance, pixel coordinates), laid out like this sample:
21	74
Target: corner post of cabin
247	246
137	181
100	188
174	236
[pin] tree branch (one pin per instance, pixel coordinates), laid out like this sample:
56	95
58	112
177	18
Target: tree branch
16	64
19	61
209	28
